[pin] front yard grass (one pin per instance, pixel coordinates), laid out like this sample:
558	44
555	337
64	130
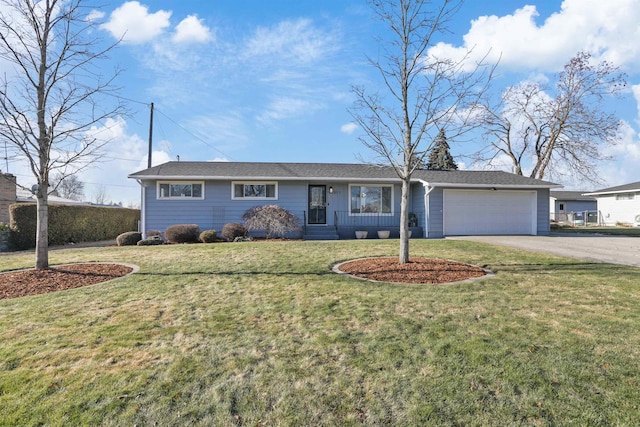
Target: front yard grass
611	231
262	333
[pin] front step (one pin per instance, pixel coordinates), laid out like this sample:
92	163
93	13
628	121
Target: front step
321	233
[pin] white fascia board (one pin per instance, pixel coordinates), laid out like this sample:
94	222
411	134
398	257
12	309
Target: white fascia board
257	178
604	193
486	186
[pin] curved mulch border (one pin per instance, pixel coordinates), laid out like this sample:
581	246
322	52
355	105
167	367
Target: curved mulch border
423	271
21	283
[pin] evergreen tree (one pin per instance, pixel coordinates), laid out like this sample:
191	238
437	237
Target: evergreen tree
440	158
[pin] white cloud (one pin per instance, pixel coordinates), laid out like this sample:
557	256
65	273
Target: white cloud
124	154
95	15
635	89
286	107
293	40
192	30
626	157
348	128
133	21
608	29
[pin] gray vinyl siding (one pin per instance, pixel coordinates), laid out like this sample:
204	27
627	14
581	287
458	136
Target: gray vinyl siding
576	205
218	208
416	203
435	219
544	225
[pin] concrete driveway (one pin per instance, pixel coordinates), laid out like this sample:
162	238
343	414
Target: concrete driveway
611	249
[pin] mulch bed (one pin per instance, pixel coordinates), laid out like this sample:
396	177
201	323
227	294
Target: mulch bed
33	282
22	283
417	270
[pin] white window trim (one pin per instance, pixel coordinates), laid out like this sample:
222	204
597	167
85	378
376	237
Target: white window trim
233	189
158	196
373	213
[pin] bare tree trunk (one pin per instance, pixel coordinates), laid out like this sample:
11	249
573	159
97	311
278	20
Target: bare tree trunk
404	223
53	49
42	231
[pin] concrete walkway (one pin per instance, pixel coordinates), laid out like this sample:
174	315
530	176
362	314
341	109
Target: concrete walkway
610	249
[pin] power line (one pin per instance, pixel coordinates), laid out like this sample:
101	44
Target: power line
193	135
86	182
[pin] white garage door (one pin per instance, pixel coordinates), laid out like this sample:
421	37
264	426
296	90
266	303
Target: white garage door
478	212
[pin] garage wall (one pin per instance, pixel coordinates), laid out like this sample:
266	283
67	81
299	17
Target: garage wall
436	219
544	224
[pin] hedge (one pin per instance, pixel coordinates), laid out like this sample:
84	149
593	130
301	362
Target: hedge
71	223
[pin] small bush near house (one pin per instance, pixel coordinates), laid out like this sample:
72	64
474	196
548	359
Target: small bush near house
182	233
150	241
272	219
208	236
233	230
129	238
151	233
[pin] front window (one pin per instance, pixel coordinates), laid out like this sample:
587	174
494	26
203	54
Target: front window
255	190
180	190
371	199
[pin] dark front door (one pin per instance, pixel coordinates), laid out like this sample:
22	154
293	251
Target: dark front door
317	204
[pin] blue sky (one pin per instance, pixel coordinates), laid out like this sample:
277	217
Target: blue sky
254	80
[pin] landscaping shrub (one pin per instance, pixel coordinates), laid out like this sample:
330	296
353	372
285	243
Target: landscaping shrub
150	241
272	219
151	233
182	233
232	230
208	236
71	223
130	238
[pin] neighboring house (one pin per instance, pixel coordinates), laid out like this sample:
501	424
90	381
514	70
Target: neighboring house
7	195
335	200
24	196
572	206
10	193
619	205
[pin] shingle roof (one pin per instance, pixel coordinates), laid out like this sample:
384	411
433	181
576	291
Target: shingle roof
626	188
329	172
571	195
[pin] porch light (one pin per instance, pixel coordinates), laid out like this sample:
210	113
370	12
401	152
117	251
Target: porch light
331	189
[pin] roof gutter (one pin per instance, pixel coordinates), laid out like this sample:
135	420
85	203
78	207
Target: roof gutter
488	186
259	178
600	193
335	179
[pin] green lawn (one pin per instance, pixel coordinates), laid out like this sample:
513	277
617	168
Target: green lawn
264	334
613	231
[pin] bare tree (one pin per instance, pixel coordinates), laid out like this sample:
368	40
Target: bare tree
100	195
50	101
69	187
561	134
424	93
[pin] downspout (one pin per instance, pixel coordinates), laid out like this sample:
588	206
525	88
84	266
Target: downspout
428	190
143	210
